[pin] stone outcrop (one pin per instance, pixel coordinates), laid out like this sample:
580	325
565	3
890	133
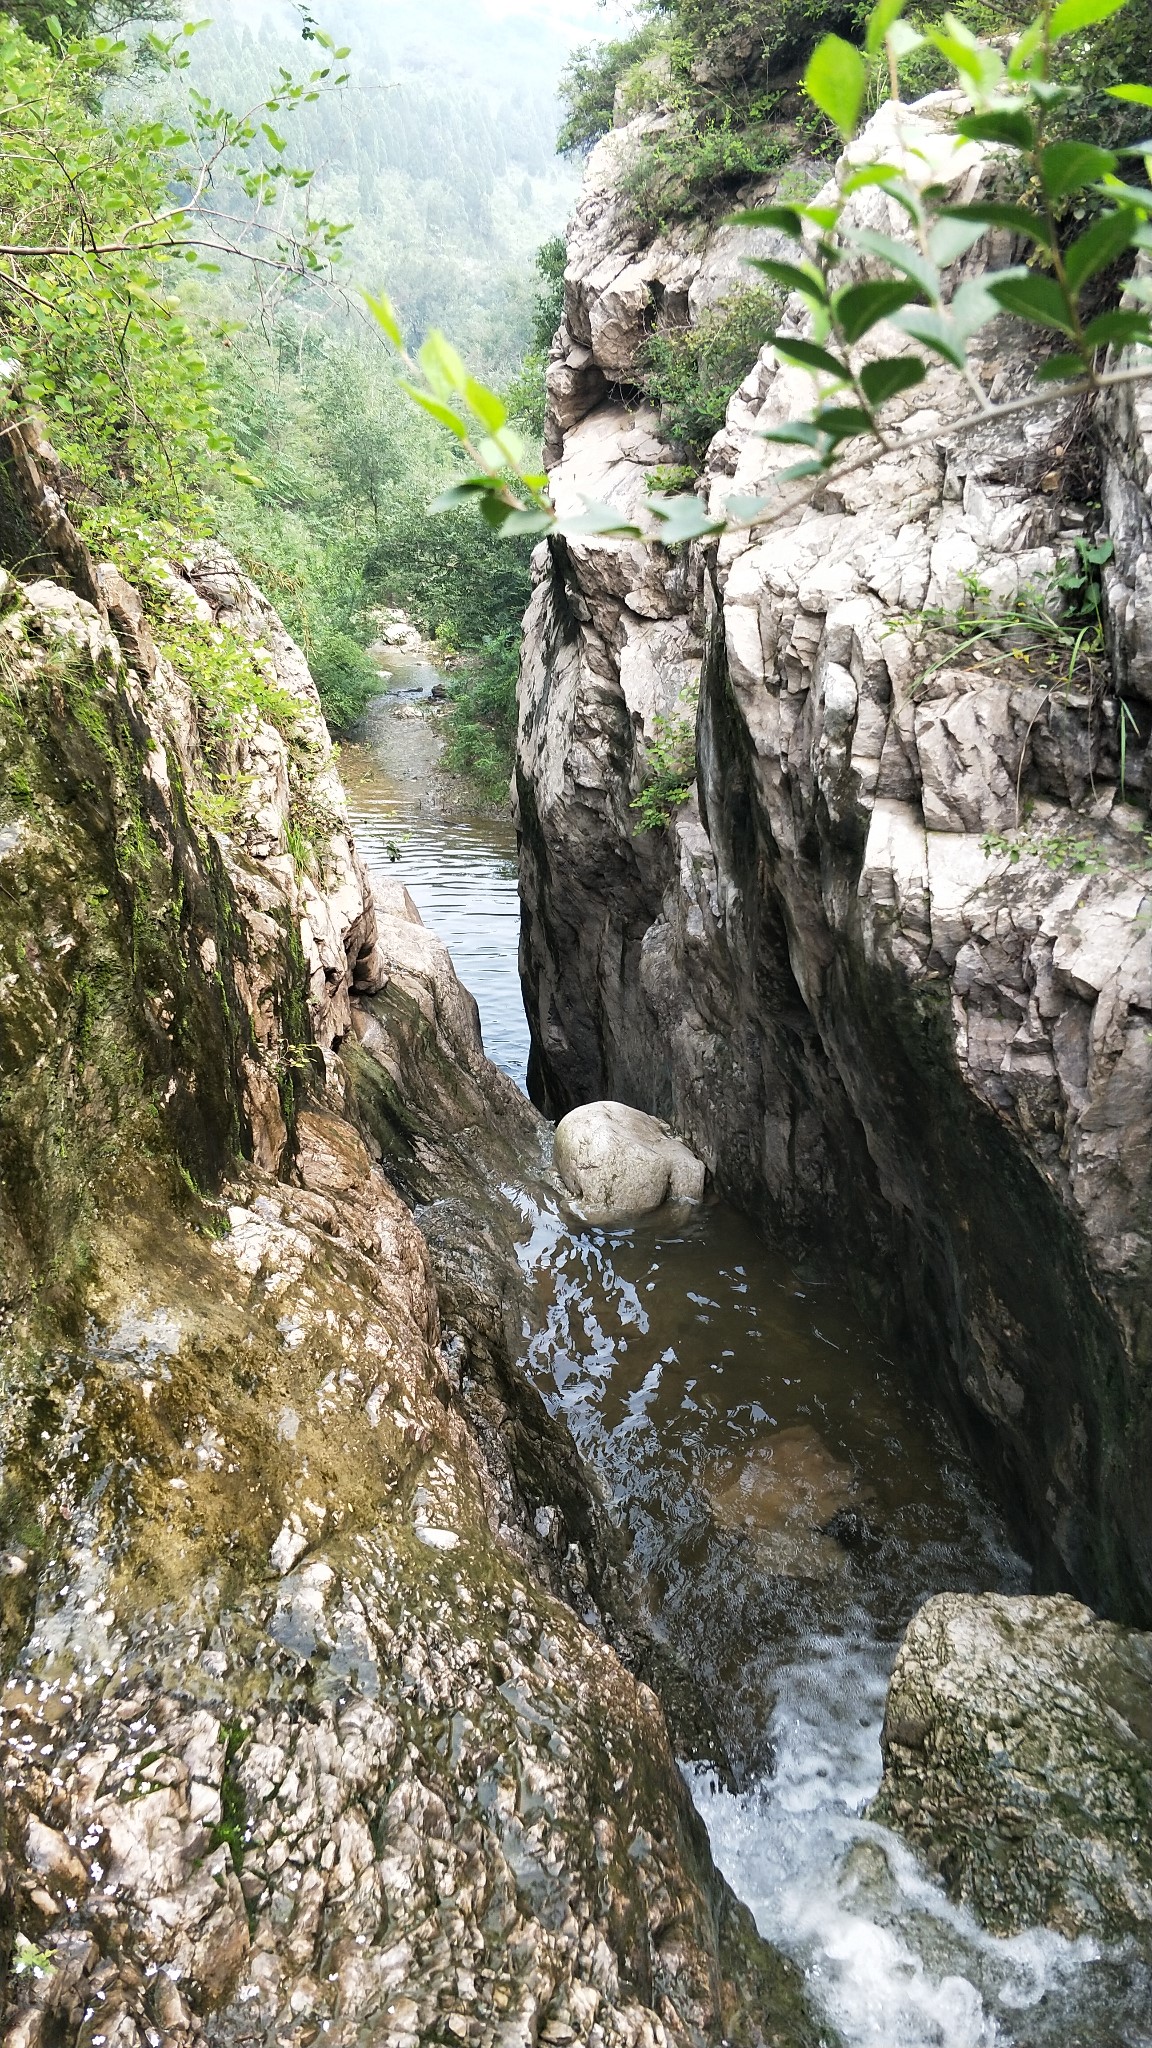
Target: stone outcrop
888	970
619	1162
302	1739
1018	1757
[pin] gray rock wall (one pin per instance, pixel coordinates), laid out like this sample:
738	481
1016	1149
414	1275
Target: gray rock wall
300	1738
876	1025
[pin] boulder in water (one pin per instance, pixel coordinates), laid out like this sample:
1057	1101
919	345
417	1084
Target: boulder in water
1018	1758
619	1162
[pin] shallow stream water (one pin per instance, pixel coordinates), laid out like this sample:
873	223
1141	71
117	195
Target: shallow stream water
789	1501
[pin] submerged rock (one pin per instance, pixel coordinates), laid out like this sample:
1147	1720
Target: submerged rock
1018	1758
619	1162
787	1496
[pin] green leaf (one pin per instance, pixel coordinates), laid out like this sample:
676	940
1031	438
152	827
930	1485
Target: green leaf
903	39
441	365
1074	14
879	22
859	307
528	523
1003	124
1137	95
783	218
1056	368
902	257
380	307
798	470
597	518
436	410
843	422
489	409
683	518
836	79
1103	241
871	174
933	330
994	213
882	380
747	508
807	356
951	238
792	278
1038	299
278	142
794	434
464	493
1067	166
1118	327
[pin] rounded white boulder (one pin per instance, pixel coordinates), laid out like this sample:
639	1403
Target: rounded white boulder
619	1162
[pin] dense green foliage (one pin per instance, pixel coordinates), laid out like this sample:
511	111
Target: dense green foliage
482	720
692	372
441	150
527	393
337	521
176	389
589	80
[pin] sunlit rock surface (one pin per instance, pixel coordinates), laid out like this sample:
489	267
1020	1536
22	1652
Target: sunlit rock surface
301	1739
1018	1757
877	1021
619	1162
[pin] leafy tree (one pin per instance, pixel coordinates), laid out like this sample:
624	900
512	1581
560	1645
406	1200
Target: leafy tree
99	209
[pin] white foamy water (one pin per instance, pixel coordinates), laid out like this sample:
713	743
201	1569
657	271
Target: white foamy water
889	1960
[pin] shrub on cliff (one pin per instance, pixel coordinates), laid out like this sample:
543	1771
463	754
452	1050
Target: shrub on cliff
691	372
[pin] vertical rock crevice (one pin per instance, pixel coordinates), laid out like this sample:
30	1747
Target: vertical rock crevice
868	969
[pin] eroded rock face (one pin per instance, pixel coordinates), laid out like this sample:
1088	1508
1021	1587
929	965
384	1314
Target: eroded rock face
873	1024
300	1738
619	1162
1018	1757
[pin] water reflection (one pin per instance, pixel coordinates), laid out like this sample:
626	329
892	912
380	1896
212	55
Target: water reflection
789	1502
460	869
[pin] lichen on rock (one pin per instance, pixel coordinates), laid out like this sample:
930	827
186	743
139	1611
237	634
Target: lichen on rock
1018	1758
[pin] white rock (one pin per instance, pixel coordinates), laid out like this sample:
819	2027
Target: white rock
619	1162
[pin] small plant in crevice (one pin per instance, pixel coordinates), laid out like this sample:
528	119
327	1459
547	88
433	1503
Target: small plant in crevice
690	373
670	768
1079	855
30	1960
1050	633
230	1827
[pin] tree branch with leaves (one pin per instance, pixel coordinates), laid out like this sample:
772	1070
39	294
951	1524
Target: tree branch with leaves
849	281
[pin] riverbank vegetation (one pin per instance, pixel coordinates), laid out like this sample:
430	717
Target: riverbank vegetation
183	312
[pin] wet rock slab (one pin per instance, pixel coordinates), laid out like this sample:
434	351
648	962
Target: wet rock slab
1018	1758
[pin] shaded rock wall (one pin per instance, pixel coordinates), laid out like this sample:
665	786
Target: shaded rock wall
878	1027
298	1742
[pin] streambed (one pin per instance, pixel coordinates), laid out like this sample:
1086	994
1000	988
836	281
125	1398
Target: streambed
789	1501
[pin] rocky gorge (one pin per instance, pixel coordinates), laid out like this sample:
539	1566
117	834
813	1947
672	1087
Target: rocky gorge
885	965
354	1688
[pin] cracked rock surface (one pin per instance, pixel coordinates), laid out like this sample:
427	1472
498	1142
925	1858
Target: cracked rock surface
867	971
304	1738
1018	1756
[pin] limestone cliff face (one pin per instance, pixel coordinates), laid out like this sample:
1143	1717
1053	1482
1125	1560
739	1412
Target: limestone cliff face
875	1022
300	1738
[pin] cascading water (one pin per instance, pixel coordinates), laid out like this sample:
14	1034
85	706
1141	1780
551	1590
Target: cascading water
789	1498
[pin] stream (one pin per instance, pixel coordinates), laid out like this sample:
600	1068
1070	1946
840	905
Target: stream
789	1501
